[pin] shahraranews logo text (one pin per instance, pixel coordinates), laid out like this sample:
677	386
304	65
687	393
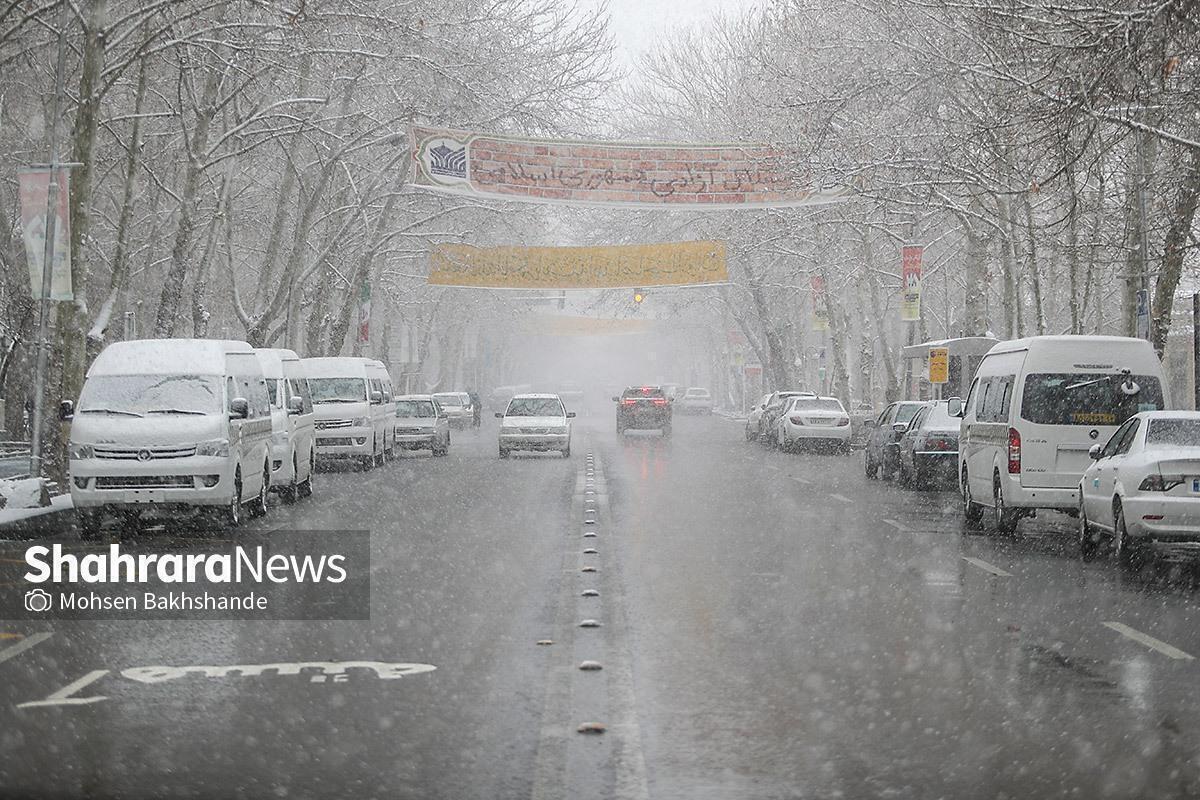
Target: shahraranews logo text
52	564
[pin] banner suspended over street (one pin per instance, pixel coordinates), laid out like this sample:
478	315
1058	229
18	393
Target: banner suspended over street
910	289
628	174
602	267
34	192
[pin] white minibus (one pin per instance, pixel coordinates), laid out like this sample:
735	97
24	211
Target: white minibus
293	443
1035	408
352	398
164	424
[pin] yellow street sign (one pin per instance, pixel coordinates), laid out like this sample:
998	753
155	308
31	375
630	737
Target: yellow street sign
939	365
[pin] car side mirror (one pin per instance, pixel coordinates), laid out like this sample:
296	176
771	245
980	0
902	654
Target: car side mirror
954	407
899	427
616	399
66	410
499	415
1095	450
870	423
295	405
376	398
239	408
570	415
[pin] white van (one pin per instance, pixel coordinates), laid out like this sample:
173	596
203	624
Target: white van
293	443
352	398
169	423
1036	407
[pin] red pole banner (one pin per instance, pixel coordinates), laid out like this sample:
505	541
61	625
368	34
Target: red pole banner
364	314
34	191
911	256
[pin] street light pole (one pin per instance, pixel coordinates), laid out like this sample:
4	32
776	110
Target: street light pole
43	352
1142	306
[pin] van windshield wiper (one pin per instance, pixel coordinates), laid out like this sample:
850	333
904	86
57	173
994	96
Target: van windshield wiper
109	411
340	400
1085	384
174	411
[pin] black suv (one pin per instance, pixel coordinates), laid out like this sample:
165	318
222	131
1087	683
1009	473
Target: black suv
644	408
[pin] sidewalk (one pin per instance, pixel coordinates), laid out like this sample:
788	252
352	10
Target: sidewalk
21	522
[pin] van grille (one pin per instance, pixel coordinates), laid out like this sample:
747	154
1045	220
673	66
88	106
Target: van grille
144	453
145	482
325	424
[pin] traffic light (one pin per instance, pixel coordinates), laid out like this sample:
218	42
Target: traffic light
638	296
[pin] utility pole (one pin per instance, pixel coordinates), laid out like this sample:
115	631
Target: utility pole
1142	306
43	351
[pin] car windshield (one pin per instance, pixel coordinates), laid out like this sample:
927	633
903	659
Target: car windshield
1087	398
1173	432
337	390
534	407
645	391
151	394
449	399
415	408
906	411
817	404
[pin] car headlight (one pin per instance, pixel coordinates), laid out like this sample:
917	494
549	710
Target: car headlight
559	429
82	451
216	447
360	422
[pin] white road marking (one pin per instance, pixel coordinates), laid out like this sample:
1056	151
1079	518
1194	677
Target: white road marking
841	499
798	479
898	525
23	645
986	567
1148	640
63	696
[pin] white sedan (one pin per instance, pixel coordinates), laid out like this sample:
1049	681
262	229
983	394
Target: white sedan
1143	485
819	420
756	412
696	400
535	422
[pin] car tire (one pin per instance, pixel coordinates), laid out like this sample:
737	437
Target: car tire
231	515
870	468
566	452
972	511
1004	519
258	507
751	435
1089	543
1130	555
291	493
377	459
305	487
504	452
89	524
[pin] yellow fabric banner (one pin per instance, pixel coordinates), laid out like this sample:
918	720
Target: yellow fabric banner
605	267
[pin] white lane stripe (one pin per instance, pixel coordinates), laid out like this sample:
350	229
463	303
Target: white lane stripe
841	499
1148	640
986	567
23	645
798	479
898	526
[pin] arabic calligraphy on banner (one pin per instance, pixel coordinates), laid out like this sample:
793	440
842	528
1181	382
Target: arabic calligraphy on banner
628	174
610	267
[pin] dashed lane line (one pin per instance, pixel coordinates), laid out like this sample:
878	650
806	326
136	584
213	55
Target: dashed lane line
23	645
986	567
841	498
898	525
1149	641
798	479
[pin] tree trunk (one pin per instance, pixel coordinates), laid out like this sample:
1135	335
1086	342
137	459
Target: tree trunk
1183	214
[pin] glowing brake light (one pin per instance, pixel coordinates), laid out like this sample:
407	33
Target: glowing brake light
629	401
660	401
1014	451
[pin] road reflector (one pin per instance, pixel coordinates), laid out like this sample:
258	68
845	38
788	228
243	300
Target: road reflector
591	666
590	623
592	727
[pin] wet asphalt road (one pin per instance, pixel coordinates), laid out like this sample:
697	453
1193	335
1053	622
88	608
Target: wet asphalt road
771	626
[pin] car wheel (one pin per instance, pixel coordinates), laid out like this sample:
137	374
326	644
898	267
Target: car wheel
1089	537
566	453
232	514
972	511
503	452
1130	555
869	466
306	486
750	434
377	458
258	507
1004	519
89	523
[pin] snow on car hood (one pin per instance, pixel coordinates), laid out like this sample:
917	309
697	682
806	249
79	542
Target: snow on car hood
153	429
532	422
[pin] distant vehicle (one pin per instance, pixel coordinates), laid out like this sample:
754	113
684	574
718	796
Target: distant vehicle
643	408
169	424
421	425
1143	486
570	393
928	448
772	409
352	398
696	400
752	419
1035	408
457	408
671	390
881	457
293	439
821	421
535	422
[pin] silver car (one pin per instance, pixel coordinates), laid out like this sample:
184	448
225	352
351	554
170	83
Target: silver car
421	424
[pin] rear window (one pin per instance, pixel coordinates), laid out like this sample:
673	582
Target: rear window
815	404
1174	432
451	399
906	412
644	391
1080	398
415	408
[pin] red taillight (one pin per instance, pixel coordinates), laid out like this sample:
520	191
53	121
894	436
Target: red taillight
1014	451
843	422
940	443
659	401
797	420
628	401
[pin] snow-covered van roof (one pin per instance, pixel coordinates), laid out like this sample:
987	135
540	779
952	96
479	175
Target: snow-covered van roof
167	357
339	366
272	358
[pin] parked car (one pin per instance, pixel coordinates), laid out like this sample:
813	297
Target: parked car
881	456
535	422
293	437
352	398
457	408
820	421
928	448
752	419
771	411
643	408
1036	407
1142	486
421	425
696	400
168	424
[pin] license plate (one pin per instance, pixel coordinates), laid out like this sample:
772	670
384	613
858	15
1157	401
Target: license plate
139	496
1195	485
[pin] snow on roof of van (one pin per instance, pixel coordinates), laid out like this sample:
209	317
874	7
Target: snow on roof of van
167	356
1072	339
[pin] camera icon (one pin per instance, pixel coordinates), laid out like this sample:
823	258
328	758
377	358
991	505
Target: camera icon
38	600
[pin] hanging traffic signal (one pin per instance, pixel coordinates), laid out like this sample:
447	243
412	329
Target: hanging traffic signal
638	296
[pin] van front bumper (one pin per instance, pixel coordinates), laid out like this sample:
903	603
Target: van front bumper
345	443
191	481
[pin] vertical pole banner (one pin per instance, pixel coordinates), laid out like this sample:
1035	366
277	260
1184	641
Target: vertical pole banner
910	273
364	313
34	191
820	312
